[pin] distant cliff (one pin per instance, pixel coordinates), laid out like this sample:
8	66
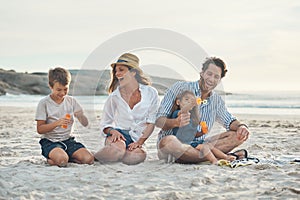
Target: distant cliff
22	83
84	82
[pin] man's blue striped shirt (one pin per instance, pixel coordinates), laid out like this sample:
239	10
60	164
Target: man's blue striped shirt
213	110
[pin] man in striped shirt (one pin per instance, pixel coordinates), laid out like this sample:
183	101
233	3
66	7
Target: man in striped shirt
212	109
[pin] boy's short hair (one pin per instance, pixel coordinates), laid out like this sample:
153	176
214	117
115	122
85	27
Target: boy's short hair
59	75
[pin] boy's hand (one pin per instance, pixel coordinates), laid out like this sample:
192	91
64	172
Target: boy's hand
64	122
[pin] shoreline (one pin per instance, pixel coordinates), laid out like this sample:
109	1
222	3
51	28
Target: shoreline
242	116
267	117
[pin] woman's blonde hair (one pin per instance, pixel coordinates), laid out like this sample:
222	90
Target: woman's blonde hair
139	76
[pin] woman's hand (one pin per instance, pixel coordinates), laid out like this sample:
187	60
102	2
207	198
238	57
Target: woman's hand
116	136
134	145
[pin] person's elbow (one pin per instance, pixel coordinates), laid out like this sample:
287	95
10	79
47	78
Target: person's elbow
160	122
85	123
39	130
82	118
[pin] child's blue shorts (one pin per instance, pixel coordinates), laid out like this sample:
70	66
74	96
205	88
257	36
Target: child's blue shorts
195	143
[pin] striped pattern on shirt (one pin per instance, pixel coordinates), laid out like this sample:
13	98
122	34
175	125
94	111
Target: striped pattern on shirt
213	110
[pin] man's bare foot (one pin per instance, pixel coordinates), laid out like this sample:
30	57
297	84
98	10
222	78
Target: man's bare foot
239	154
230	158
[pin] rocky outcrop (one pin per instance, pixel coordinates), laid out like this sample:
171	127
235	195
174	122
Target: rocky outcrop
84	82
23	83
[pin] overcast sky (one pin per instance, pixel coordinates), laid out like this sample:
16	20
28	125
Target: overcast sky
259	40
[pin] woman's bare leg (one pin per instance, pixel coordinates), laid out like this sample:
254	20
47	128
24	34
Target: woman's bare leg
112	152
134	157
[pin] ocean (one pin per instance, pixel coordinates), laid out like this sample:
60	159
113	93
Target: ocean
257	103
264	103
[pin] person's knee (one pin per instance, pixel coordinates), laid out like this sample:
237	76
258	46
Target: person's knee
167	140
83	156
87	159
61	160
118	152
58	157
111	153
235	140
131	158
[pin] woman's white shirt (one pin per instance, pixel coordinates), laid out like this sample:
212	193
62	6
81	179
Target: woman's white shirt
118	114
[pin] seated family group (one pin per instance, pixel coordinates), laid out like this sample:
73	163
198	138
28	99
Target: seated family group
185	117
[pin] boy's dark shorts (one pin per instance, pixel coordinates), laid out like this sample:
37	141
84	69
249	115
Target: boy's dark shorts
69	146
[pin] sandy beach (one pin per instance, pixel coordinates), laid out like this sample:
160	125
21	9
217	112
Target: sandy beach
24	173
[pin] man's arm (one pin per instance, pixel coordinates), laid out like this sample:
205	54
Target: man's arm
182	119
241	130
165	123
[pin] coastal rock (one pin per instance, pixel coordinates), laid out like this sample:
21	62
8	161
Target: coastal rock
23	83
84	82
3	85
2	91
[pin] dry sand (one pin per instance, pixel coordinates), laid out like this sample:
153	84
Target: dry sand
24	174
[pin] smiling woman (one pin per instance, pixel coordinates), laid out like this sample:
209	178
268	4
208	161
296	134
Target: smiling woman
128	114
127	62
